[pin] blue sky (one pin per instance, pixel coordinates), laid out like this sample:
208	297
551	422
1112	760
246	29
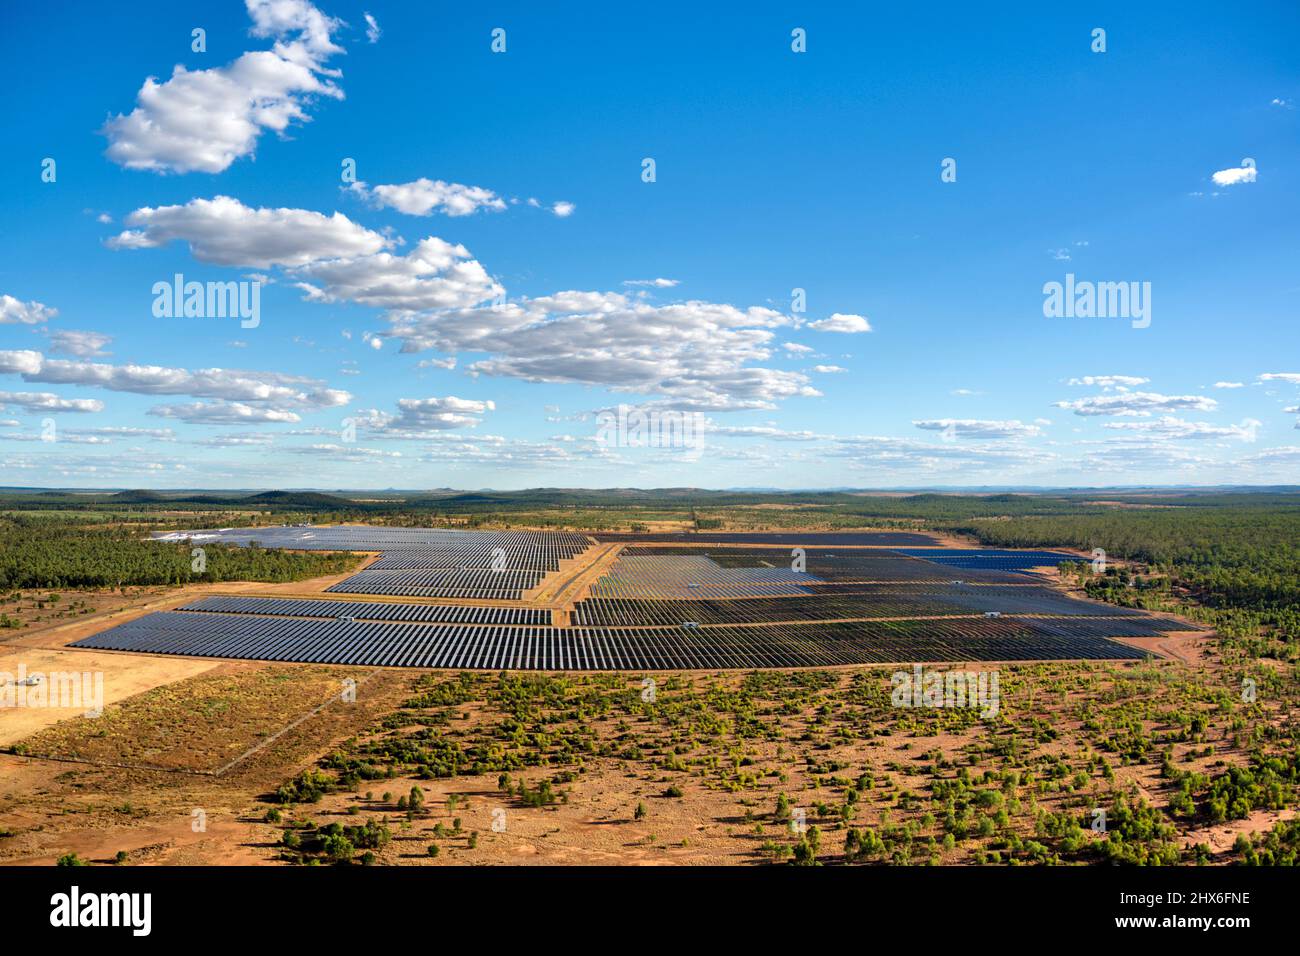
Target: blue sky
464	313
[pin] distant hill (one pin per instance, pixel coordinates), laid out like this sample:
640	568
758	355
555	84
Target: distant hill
137	497
306	500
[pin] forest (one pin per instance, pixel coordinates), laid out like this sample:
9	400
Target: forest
47	553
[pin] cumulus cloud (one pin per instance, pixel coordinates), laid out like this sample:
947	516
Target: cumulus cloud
1291	377
16	312
653	283
694	355
770	432
238	440
839	322
563	209
268	391
424	197
49	402
100	436
81	344
1138	403
204	120
333	258
343	452
1125	457
904	455
223	231
1109	381
373	33
1229	384
1234	175
1171	427
417	417
63	436
493	450
436	274
978	428
224	413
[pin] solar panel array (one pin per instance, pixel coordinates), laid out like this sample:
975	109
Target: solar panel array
583	648
421	562
658	607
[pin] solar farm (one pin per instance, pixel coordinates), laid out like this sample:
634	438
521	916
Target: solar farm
551	601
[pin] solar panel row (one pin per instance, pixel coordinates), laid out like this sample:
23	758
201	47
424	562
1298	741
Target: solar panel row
374	611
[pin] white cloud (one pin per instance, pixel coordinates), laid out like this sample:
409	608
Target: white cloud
238	440
978	428
15	312
840	322
204	120
1138	403
1109	381
794	348
435	275
829	369
1228	384
424	197
1290	377
81	344
654	283
1234	175
49	402
223	413
563	209
1171	427
343	452
373	33
64	435
334	258
416	418
223	231
270	390
695	355
770	432
904	455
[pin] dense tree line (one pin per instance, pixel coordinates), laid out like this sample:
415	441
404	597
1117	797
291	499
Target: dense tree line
42	553
1232	561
